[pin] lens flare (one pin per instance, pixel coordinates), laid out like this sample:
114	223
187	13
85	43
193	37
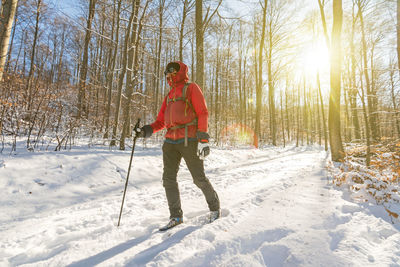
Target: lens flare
239	134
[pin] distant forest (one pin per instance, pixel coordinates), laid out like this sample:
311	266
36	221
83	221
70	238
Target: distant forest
304	72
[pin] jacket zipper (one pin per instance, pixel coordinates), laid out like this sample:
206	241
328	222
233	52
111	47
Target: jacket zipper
170	115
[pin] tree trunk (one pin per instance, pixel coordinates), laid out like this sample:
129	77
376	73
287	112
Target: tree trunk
398	35
353	89
8	60
121	79
111	67
393	96
271	89
347	132
367	126
186	7
287	111
133	61
283	123
61	57
319	121
259	80
158	57
298	117
201	26
374	98
335	139
192	50
8	8
199	44
321	5
370	94
85	59
216	113
305	113
240	88
31	69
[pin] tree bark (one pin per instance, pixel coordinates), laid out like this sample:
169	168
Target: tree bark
371	95
7	14
393	97
335	140
111	68
398	35
367	126
283	123
133	63
216	113
259	80
353	90
201	26
271	87
31	69
121	78
199	44
321	5
85	59
187	5
287	111
158	75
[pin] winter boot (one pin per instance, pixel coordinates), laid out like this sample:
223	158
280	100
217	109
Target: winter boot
172	223
214	215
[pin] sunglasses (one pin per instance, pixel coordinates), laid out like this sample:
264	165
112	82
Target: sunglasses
170	70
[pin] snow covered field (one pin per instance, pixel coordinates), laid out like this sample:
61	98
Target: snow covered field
61	209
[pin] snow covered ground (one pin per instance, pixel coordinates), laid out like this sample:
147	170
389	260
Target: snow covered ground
61	209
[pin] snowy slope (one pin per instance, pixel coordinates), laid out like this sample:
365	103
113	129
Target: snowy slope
61	209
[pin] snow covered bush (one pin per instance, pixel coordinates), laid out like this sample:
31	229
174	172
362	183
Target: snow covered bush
377	183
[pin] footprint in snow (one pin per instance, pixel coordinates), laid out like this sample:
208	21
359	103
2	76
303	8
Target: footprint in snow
39	182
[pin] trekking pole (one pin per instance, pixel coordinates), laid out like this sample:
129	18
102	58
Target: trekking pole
137	131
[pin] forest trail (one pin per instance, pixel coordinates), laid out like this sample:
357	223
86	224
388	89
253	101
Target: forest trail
278	210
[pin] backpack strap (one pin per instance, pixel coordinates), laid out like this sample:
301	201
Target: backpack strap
186	100
182	98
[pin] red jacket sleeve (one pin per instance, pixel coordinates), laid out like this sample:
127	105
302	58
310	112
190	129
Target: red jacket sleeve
196	97
159	124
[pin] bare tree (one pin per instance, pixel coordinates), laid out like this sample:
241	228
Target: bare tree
393	98
371	94
35	41
187	6
398	34
321	4
7	14
259	80
158	55
132	79
201	26
353	90
112	62
122	75
335	139
84	66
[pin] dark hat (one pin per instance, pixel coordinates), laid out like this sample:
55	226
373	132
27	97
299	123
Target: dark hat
171	67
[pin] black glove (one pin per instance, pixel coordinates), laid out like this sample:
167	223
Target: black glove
203	149
144	132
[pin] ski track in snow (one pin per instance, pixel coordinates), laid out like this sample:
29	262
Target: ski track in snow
277	210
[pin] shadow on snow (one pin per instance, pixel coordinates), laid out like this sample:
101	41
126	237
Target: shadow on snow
141	258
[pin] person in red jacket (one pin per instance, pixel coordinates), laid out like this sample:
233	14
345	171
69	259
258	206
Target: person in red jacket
184	113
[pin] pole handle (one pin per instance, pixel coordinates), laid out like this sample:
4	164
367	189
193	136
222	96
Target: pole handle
136	129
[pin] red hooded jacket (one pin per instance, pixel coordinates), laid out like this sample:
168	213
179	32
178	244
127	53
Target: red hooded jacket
178	112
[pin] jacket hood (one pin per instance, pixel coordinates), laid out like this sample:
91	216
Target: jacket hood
181	76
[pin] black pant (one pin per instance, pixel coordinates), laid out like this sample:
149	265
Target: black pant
172	155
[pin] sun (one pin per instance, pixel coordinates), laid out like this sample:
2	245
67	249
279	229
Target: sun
315	57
